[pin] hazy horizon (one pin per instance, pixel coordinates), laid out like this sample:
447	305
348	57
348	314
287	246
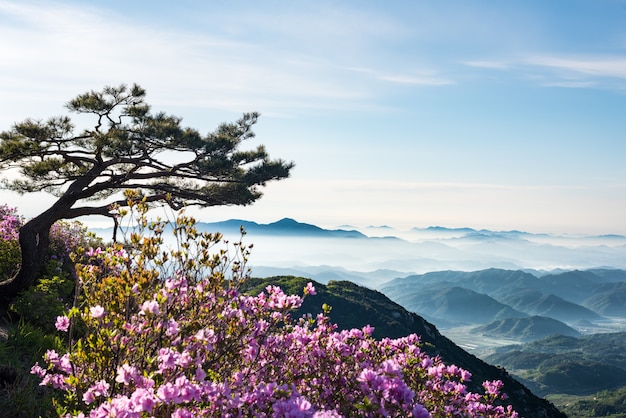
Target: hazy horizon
400	253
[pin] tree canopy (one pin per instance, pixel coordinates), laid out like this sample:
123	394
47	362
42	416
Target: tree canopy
128	147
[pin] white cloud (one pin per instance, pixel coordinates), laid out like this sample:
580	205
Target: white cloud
51	48
52	51
558	70
496	65
417	80
597	66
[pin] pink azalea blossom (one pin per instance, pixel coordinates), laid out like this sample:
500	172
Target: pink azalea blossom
309	289
96	311
62	323
151	306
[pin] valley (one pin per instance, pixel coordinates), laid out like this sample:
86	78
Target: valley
479	345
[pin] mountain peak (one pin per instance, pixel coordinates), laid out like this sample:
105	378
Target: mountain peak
282	227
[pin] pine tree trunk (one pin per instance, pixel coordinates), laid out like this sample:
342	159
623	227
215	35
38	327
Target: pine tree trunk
34	239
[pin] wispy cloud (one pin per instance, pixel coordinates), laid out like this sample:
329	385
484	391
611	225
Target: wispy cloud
496	65
418	80
560	70
596	66
52	51
414	78
47	48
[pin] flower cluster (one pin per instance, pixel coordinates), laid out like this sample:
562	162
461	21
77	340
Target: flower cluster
186	345
10	254
10	223
65	237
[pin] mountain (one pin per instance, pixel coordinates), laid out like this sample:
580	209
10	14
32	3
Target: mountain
288	243
525	329
600	290
482	281
608	299
454	305
583	297
575	285
283	227
356	306
533	302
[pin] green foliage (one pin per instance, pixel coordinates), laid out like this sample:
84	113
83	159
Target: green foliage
49	298
53	292
606	403
31	332
10	257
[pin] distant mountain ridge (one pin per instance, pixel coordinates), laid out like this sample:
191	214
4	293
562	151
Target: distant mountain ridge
455	304
290	226
285	227
526	329
495	294
418	250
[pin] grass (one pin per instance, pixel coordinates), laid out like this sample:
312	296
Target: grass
21	346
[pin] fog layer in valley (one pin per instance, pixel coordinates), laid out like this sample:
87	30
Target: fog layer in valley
372	256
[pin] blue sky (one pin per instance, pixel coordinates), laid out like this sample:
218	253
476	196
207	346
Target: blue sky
500	115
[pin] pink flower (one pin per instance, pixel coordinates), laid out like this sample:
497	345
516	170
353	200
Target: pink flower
100	388
51	356
368	329
151	306
309	289
97	311
38	371
143	400
64	363
420	412
94	253
492	387
62	323
125	374
167	359
171	328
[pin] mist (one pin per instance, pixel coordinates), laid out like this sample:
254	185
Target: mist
383	254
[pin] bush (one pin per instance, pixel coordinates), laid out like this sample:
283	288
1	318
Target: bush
49	298
168	333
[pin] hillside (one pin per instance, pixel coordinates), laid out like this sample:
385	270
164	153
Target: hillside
525	329
567	365
533	302
455	305
356	306
588	299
